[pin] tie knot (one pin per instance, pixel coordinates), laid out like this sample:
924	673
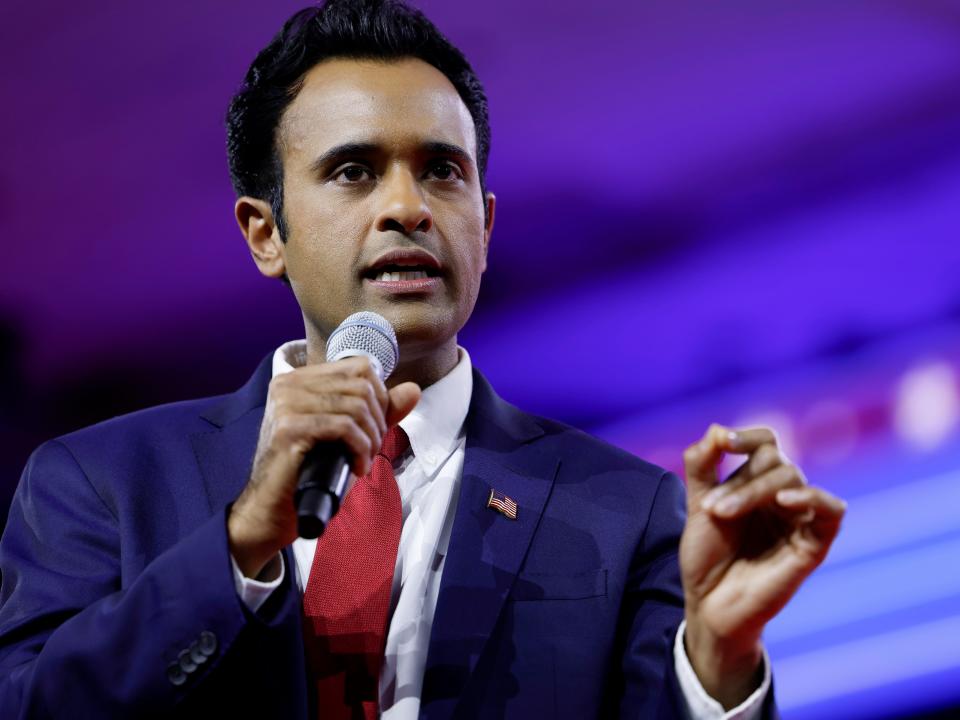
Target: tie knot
395	444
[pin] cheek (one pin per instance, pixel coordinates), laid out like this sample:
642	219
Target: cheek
315	208
324	232
478	252
323	252
467	233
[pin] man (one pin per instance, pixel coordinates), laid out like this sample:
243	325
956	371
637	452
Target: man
485	563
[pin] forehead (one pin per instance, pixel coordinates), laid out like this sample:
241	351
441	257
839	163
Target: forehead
395	103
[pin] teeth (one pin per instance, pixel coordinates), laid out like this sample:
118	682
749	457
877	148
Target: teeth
398	276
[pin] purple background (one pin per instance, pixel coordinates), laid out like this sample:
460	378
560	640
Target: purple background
737	212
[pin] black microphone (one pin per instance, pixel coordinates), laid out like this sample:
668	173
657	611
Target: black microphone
326	468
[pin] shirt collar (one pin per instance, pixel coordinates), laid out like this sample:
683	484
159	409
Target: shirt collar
435	425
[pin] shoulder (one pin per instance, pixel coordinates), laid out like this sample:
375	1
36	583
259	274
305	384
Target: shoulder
574	447
577	446
169	425
601	469
154	424
155	446
116	458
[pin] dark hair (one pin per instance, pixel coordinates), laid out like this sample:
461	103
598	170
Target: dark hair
361	29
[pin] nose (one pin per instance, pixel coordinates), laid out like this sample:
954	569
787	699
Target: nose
404	208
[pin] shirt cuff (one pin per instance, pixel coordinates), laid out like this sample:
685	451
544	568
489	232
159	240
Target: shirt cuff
700	706
254	593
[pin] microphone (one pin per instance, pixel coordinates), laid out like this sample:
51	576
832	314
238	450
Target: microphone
325	471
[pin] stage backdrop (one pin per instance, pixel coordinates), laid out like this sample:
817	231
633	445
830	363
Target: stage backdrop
741	211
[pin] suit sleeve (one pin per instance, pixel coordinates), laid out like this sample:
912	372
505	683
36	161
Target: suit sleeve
73	642
652	612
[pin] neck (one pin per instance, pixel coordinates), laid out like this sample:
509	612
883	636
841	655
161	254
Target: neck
425	369
424	366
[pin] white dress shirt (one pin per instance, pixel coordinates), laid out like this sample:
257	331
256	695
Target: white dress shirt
428	476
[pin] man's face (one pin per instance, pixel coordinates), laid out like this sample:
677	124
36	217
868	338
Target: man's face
380	178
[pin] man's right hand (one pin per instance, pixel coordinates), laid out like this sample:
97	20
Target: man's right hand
343	402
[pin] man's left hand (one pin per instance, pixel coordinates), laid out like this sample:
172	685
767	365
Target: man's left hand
747	546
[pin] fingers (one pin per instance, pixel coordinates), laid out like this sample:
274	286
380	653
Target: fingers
700	459
396	403
314	429
313	388
323	394
353	375
344	401
347	396
362	368
749	439
734	499
766	457
768	480
753	485
823	510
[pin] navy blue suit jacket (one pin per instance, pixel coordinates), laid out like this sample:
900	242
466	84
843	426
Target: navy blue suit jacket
118	597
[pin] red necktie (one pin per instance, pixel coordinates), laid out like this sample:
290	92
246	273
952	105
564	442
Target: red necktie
347	598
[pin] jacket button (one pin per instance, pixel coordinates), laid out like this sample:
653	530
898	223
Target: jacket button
208	643
186	662
175	674
196	655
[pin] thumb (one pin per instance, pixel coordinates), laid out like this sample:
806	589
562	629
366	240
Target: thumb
700	460
403	398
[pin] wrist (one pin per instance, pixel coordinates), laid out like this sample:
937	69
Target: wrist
252	549
728	668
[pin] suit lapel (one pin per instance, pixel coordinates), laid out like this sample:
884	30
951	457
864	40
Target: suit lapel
486	548
226	452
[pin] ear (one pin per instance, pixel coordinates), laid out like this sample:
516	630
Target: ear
256	222
490	201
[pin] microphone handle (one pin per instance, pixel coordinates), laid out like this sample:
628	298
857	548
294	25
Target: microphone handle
321	486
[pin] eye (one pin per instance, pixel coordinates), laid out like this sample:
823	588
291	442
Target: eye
444	170
352	173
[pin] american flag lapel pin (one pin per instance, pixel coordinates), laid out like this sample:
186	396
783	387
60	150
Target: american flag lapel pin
502	504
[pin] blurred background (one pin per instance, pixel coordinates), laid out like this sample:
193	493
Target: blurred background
739	212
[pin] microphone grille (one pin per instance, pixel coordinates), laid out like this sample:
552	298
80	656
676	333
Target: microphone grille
365	333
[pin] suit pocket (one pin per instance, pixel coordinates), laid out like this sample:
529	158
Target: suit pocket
534	586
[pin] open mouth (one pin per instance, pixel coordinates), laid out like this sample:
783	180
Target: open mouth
398	273
405	270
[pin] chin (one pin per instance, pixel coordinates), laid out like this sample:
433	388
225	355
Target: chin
428	329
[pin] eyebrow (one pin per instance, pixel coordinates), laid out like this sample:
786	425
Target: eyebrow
344	151
341	152
449	150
